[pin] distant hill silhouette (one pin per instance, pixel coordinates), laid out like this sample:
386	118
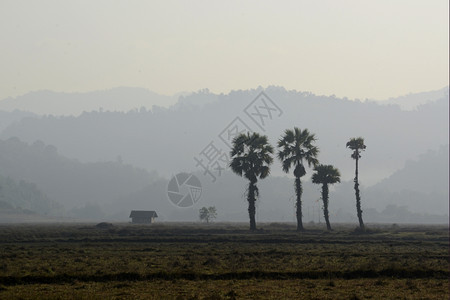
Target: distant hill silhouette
422	185
124	99
25	197
57	103
413	101
8	118
67	181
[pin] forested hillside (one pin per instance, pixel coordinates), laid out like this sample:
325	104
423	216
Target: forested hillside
167	140
26	197
67	181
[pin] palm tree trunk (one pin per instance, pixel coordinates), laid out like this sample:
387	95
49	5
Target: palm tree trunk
298	191
251	204
325	204
358	198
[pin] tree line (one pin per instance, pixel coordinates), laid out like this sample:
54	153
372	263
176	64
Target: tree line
25	197
251	157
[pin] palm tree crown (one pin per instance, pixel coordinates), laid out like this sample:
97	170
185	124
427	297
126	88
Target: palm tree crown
251	156
326	174
357	145
296	146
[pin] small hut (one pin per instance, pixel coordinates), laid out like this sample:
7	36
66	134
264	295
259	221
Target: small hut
143	216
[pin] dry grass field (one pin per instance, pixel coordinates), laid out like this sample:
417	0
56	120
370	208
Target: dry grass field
222	261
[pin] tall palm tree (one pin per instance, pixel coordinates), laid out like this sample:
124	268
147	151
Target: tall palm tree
326	174
251	157
295	147
357	145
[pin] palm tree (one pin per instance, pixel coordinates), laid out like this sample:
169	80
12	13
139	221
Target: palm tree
251	157
326	174
296	146
357	145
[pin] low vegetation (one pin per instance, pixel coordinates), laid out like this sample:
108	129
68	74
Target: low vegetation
222	261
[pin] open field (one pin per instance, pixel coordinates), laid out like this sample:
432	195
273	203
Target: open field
222	261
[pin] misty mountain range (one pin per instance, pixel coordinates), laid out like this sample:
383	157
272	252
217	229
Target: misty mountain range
168	140
59	104
68	181
107	162
126	99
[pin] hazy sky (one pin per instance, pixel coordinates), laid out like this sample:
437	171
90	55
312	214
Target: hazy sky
355	48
